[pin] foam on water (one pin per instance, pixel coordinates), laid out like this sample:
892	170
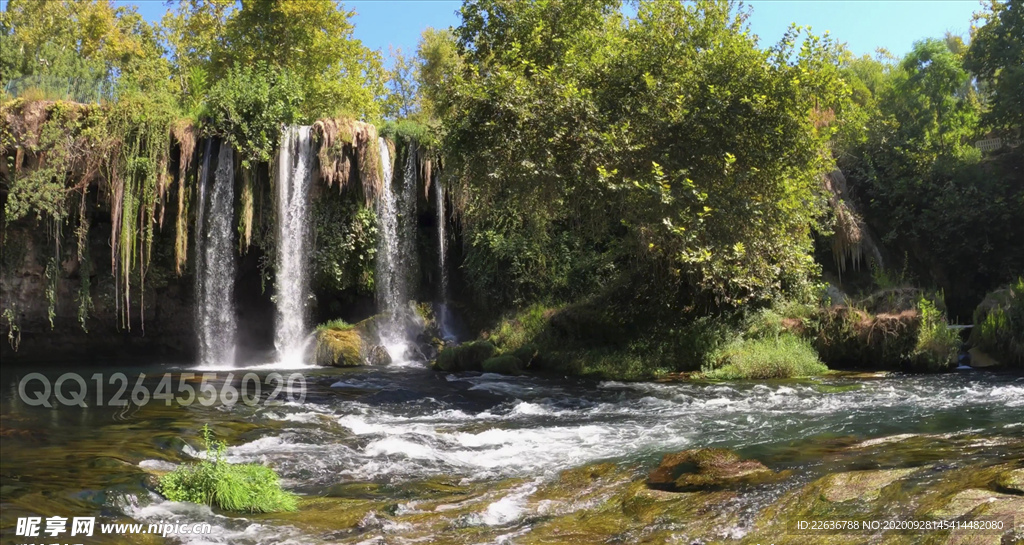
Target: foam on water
533	427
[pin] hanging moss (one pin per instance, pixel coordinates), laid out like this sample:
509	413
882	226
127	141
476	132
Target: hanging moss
63	148
185	134
343	141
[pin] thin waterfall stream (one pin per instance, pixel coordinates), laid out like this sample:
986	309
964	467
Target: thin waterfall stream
397	253
444	318
215	268
295	161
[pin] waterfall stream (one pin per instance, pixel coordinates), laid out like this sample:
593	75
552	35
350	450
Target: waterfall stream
215	267
292	274
444	316
397	254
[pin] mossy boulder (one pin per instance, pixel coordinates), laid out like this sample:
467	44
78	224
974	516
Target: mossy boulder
506	364
859	485
706	469
1012	481
464	357
527	354
967	501
339	347
378	355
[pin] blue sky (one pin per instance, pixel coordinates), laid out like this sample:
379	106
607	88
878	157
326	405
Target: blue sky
863	24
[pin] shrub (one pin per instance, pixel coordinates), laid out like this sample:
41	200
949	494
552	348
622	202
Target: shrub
251	488
937	344
464	357
336	323
506	364
784	356
999	324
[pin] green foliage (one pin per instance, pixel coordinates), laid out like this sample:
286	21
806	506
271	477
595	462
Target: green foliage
337	323
87	43
312	41
937	343
250	488
505	364
999	324
248	106
783	356
464	357
996	55
909	158
345	245
636	186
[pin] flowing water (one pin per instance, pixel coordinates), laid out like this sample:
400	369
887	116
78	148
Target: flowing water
215	266
407	455
397	252
444	318
295	161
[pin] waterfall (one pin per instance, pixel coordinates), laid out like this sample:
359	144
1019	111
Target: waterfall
444	318
397	253
295	161
215	264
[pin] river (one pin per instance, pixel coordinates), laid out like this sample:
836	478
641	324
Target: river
402	454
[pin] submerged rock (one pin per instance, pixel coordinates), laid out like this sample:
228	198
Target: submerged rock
706	469
860	485
1012	481
968	500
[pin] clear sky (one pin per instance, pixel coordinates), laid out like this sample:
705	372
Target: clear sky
863	24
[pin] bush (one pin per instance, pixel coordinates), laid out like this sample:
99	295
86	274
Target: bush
999	324
337	323
464	357
506	364
785	356
937	344
213	481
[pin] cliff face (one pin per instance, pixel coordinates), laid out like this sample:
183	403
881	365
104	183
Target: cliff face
98	233
58	307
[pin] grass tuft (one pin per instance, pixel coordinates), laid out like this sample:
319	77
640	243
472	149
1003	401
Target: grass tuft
785	356
250	488
337	324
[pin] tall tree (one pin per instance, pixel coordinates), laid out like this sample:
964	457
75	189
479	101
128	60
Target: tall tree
996	55
312	40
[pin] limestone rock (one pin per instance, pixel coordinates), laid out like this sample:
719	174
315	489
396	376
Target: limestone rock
706	468
1012	481
860	485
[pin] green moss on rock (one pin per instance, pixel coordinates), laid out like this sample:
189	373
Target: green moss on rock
860	485
506	364
1012	481
706	469
339	348
464	357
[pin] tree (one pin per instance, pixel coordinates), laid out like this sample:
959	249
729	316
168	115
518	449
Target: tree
312	40
996	55
402	99
438	64
82	42
666	147
928	97
194	34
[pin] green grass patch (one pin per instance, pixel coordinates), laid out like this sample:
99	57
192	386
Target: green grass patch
336	323
250	488
937	344
999	324
785	356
